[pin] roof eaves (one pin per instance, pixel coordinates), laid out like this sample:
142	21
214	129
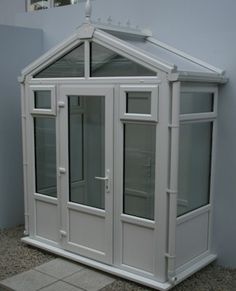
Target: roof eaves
197	77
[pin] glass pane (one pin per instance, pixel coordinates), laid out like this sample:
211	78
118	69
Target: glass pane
194	166
39	4
139	170
62	2
42	99
138	102
69	66
106	63
196	102
87	149
45	156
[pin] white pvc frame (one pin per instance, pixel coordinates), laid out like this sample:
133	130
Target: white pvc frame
153	89
49	111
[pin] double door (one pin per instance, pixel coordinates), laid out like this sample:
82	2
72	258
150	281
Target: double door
86	170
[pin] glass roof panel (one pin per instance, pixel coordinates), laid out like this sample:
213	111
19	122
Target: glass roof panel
166	56
68	66
107	63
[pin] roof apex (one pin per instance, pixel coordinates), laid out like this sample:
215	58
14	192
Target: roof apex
85	31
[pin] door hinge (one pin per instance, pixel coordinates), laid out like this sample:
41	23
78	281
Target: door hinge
61	104
63	233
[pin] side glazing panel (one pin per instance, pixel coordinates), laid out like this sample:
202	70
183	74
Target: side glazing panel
45	156
139	170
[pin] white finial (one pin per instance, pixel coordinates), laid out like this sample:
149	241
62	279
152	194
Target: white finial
88	11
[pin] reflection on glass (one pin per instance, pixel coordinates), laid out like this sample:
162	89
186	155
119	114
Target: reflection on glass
139	170
45	156
69	66
194	166
86	150
196	102
107	63
42	99
138	102
39	4
62	2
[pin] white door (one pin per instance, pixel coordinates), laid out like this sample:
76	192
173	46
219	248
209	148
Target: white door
86	168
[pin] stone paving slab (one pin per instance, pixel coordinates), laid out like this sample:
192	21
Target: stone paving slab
59	268
58	275
60	286
28	281
89	280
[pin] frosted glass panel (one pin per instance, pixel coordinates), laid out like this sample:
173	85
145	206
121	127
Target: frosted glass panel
42	99
197	102
69	66
139	170
107	63
45	156
194	166
138	102
87	149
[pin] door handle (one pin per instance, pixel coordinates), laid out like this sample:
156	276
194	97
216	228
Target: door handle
106	179
101	178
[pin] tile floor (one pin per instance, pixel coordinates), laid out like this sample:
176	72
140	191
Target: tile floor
58	275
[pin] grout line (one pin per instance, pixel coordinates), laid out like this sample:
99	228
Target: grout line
48	285
46	274
71	284
84	268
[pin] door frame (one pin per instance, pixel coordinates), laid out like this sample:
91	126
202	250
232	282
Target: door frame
105	256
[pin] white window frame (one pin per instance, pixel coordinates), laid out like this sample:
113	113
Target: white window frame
51	4
153	89
50	111
201	115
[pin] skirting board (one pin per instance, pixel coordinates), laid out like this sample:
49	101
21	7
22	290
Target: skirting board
116	271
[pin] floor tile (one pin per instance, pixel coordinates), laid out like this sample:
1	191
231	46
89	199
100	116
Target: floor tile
59	268
28	281
61	286
89	280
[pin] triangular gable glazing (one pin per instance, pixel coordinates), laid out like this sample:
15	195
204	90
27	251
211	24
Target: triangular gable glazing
107	63
103	63
68	66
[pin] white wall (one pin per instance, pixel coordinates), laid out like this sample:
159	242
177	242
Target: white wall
8	10
203	28
18	47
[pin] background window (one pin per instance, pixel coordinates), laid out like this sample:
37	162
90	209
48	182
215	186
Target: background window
194	166
38	4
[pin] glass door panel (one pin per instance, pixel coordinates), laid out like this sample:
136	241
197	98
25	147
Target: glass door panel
86	158
86	150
